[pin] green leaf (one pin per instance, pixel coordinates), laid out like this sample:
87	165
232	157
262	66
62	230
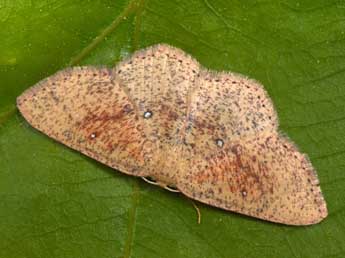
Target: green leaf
56	202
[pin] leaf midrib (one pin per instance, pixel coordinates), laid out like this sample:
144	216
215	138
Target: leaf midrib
131	8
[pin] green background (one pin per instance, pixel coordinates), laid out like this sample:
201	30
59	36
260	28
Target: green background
55	202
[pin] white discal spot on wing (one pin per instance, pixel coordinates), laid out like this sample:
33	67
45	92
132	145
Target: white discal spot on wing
219	143
157	114
147	114
244	193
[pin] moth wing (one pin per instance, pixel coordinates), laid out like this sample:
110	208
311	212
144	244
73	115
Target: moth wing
86	109
238	160
159	80
263	176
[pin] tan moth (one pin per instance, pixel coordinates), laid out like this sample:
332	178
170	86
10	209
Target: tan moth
160	115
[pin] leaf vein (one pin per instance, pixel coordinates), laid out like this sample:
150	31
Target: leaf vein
132	6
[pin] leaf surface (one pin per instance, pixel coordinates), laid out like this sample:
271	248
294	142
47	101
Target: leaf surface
56	202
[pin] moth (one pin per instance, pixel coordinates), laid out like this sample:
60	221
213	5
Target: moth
213	136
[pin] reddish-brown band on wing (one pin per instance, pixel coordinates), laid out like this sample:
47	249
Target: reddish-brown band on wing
86	109
263	176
